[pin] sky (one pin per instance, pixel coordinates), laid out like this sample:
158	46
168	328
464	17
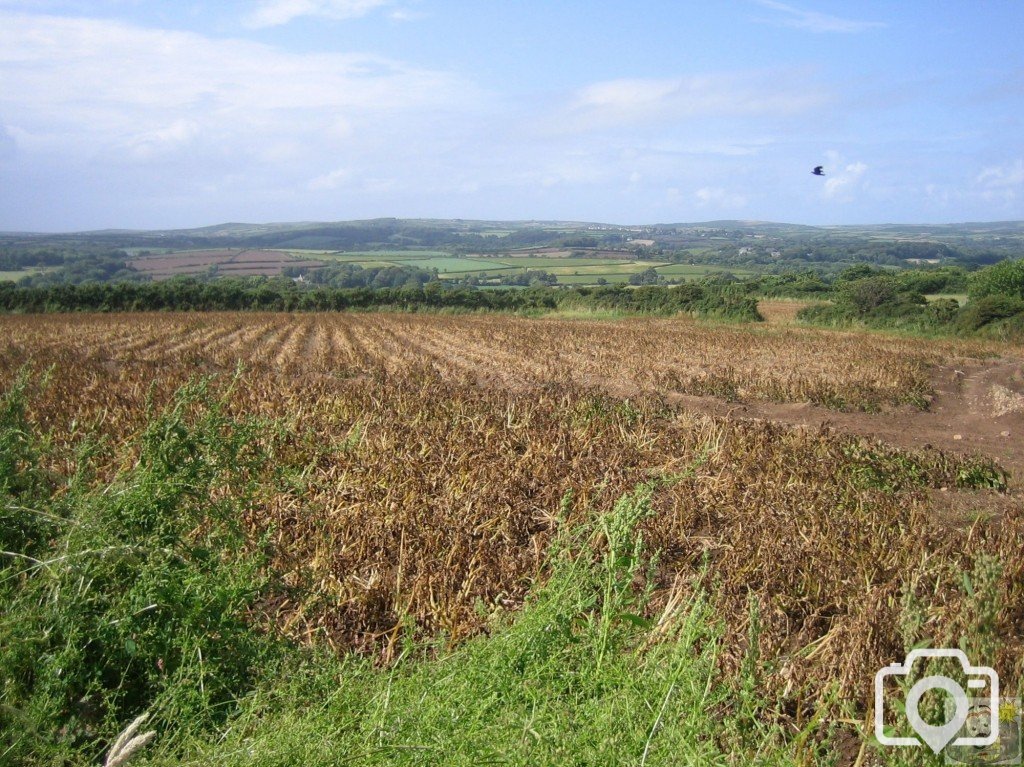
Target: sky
151	115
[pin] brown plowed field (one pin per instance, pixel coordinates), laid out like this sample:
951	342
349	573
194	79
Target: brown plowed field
237	263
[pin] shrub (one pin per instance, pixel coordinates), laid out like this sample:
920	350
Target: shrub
986	310
943	311
1005	278
140	598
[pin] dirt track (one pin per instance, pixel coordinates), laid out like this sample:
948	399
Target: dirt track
978	407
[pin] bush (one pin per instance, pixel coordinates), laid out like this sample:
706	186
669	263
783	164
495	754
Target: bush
943	311
22	480
1005	278
986	310
824	314
139	599
880	295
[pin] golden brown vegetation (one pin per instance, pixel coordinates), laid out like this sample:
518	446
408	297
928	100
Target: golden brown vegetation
784	364
409	495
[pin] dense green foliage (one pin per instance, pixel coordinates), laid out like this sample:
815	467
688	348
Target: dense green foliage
73	266
285	295
530	277
1005	278
357	276
896	300
128	596
713	301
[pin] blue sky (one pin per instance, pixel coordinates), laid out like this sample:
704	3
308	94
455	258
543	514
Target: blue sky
135	114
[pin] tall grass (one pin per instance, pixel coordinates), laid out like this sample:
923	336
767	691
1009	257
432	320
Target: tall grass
577	677
128	595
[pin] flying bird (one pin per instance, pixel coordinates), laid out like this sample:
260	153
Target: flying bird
818	171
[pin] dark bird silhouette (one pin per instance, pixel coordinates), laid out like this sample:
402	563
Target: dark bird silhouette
818	171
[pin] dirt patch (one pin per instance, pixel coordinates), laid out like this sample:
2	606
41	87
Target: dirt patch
976	409
782	312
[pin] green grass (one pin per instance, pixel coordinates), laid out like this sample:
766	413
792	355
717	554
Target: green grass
375	255
445	264
575	678
591	279
624	267
17	274
540	262
700	270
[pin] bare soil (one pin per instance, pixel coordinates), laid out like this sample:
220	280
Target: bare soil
978	407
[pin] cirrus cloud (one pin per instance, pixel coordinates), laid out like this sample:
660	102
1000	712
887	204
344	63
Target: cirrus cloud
813	21
273	13
622	102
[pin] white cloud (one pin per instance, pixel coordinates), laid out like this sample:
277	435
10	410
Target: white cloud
71	83
167	139
719	199
273	13
614	103
406	14
627	95
574	169
839	186
812	21
8	144
1002	176
1002	183
329	180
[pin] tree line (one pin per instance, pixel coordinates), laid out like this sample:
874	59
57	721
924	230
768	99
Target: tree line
877	298
261	294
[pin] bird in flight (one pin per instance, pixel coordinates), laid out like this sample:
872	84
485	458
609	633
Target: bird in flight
818	171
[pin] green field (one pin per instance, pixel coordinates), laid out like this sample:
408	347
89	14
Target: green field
542	262
696	271
960	298
369	255
569	270
19	273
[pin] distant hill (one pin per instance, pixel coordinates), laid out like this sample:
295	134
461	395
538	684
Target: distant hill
737	245
242	233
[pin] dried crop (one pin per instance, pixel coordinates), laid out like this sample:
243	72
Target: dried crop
424	463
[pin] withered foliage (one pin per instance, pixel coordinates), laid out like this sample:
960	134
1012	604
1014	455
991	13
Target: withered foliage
423	465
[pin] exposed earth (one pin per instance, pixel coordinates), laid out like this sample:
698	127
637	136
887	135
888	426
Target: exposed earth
978	407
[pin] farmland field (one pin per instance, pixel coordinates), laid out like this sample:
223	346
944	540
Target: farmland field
612	266
237	263
700	270
17	274
766	516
